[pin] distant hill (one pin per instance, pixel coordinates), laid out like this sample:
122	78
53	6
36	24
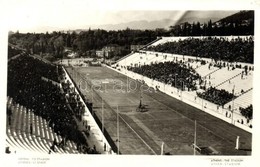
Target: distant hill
139	24
190	17
239	17
144	24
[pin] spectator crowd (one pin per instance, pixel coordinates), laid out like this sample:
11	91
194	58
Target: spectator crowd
219	97
217	48
184	77
247	112
26	86
175	74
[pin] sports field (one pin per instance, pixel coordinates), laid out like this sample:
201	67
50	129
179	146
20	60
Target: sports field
166	120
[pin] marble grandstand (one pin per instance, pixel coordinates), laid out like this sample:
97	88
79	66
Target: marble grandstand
233	77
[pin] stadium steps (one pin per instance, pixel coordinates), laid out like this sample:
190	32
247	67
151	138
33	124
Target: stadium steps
49	131
18	135
9	101
26	139
155	59
136	59
240	84
11	140
72	146
39	134
244	100
194	65
46	130
146	59
23	141
15	128
139	49
228	80
48	140
197	66
45	133
53	136
220	75
10	129
24	130
18	139
160	40
27	133
143	59
130	60
211	73
245	92
33	136
204	71
17	117
35	143
12	144
42	134
130	54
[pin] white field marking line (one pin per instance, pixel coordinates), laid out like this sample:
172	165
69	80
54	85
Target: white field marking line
129	99
172	110
155	119
150	133
137	134
189	118
180	113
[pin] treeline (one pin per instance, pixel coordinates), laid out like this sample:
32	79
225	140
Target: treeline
241	23
83	42
87	42
210	29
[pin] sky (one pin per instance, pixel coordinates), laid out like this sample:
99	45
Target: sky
33	15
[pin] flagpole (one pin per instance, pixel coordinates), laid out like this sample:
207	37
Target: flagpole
233	91
195	136
92	98
102	121
117	131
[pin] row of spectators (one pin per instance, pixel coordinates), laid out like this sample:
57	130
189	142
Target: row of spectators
73	99
26	86
247	112
234	50
175	74
78	109
219	97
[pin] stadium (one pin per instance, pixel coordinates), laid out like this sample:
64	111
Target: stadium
175	95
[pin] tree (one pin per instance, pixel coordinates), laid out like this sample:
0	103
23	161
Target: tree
210	28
